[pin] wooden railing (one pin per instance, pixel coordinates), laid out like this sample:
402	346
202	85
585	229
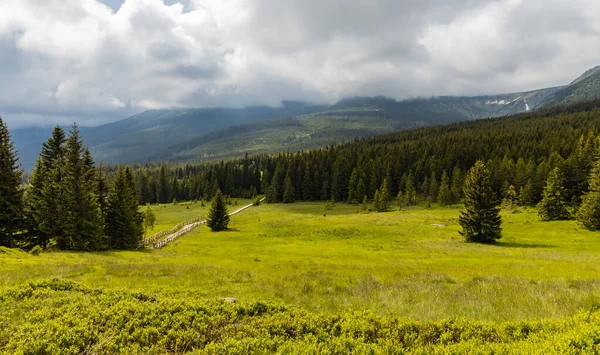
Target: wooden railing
181	229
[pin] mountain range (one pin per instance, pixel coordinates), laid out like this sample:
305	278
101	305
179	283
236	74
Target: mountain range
198	134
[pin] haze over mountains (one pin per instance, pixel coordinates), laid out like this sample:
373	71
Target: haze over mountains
215	133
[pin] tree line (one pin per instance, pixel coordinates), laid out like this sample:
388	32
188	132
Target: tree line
531	159
519	151
69	202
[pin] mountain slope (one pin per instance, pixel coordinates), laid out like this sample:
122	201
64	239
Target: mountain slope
346	120
586	87
214	133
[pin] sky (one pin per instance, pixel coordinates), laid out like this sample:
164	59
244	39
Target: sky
96	61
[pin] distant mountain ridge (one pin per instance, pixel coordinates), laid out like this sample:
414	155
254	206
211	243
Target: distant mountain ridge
218	133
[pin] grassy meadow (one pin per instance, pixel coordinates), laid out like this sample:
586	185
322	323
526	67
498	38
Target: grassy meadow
409	263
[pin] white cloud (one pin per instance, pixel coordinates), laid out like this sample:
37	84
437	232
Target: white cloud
82	60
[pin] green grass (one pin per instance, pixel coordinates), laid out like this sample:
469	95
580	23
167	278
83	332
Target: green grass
409	263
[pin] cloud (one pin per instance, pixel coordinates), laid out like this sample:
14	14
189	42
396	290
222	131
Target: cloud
95	62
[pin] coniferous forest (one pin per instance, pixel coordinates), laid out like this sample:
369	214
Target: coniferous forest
543	158
520	152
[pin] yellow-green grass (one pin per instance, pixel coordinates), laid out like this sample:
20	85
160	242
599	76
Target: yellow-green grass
410	263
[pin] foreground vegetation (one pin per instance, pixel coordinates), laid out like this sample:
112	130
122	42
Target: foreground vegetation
314	280
66	317
411	263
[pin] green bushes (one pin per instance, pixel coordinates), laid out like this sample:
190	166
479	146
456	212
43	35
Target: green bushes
65	317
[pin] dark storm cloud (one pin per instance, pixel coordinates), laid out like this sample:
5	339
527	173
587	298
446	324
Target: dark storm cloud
97	61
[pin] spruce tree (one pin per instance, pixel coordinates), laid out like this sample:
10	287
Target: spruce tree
353	195
480	222
11	194
445	194
382	198
365	203
307	185
433	188
589	213
457	185
45	198
84	224
527	194
288	191
145	194
124	223
553	206
163	186
218	218
409	198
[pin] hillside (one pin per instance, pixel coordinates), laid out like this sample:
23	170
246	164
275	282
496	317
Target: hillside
586	87
216	133
346	120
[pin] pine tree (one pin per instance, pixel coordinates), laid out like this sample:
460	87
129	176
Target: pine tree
480	222
353	195
365	203
307	185
433	188
218	218
527	194
553	206
145	194
589	213
84	224
361	189
124	223
102	190
382	198
444	194
45	198
11	194
163	186
457	185
288	191
409	198
425	187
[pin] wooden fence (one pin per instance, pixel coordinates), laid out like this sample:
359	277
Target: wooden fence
181	229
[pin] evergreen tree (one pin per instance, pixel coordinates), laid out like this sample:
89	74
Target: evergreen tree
163	186
457	185
361	189
553	206
288	191
444	194
480	222
84	224
102	190
353	195
527	194
425	187
589	213
382	198
124	223
433	188
145	194
45	203
410	193
218	218
365	203
308	193
11	195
